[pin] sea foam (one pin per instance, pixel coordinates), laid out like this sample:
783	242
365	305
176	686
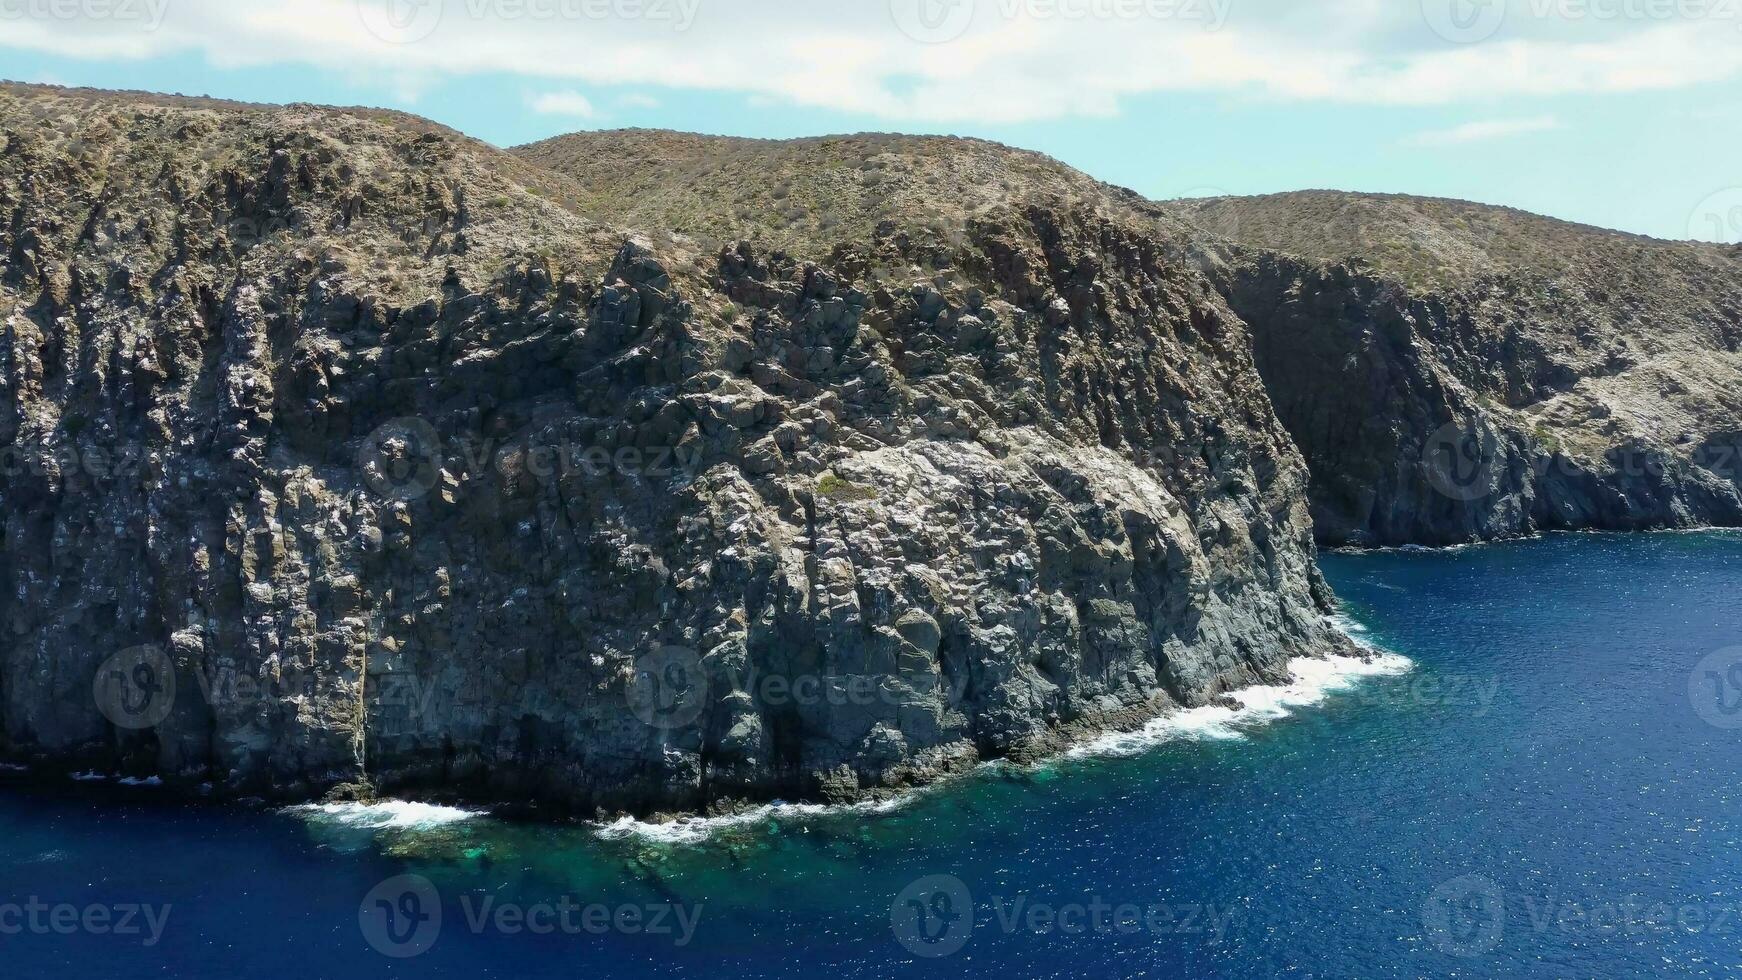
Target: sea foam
385	814
1314	679
695	830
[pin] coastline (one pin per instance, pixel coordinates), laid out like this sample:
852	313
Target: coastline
1415	549
1121	733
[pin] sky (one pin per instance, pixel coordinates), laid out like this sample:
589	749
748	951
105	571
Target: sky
1621	113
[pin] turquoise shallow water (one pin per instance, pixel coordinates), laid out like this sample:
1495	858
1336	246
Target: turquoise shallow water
1553	790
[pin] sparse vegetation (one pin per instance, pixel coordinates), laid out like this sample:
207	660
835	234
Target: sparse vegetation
1436	243
835	488
809	195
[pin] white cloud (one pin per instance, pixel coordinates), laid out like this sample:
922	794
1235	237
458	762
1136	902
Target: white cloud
1002	61
1487	129
567	103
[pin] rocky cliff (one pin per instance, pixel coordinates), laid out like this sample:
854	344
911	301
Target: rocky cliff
1452	372
346	453
1456	373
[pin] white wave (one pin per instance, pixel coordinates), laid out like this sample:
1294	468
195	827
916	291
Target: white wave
1314	679
385	815
1434	549
1346	625
89	777
13	767
147	781
694	830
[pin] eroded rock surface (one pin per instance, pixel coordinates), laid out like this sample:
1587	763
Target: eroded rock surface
1488	373
417	478
1453	372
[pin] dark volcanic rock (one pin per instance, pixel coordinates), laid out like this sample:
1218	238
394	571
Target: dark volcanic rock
1453	372
1456	372
345	453
1436	419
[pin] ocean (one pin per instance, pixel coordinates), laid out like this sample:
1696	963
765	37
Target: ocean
1540	777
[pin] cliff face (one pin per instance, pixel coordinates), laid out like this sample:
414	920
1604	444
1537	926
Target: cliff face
642	471
1476	373
1452	372
344	450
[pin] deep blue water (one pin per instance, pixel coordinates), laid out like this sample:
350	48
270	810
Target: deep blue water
1554	790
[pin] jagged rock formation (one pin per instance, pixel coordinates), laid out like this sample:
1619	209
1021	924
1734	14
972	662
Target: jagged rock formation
1452	372
1455	372
645	471
398	464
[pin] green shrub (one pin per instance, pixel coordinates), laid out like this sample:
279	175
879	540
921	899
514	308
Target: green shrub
835	488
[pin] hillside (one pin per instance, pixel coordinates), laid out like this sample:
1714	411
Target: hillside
640	471
347	455
1573	377
1429	242
810	195
1594	376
